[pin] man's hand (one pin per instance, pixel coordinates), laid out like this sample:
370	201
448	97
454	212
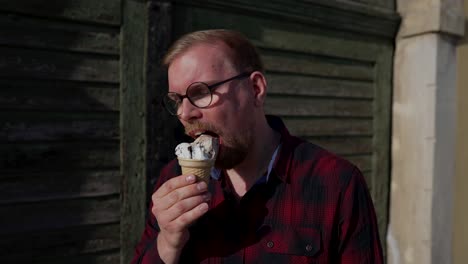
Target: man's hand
176	205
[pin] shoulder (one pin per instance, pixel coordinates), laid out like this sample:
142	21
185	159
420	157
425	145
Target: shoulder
311	162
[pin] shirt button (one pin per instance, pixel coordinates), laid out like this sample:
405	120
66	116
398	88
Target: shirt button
270	244
309	247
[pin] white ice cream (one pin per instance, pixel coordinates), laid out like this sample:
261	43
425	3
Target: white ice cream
205	147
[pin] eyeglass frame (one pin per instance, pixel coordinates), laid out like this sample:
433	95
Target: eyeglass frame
210	89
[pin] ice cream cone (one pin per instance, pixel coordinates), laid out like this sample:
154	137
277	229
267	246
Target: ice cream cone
200	168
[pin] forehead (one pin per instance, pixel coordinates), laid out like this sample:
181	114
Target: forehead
200	63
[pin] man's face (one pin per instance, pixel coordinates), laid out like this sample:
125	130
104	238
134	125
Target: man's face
230	115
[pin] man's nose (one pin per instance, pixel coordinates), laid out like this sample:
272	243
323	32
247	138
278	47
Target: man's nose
188	112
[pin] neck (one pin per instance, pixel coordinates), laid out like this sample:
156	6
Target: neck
255	165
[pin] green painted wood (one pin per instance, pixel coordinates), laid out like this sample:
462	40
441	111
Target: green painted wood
382	136
51	156
29	127
384	8
70	97
67	243
311	65
103	257
32	64
103	12
133	120
295	84
60	185
267	32
362	161
344	145
302	106
58	214
369	22
21	31
306	127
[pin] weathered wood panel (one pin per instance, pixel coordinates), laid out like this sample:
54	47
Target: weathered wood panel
49	126
23	95
22	31
270	33
294	84
90	11
363	162
31	64
50	156
45	186
326	107
376	7
133	120
31	217
103	257
53	244
316	66
307	127
345	19
344	145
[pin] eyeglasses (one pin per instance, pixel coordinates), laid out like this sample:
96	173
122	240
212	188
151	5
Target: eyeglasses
199	94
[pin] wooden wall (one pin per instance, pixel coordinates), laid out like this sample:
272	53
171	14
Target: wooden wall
59	131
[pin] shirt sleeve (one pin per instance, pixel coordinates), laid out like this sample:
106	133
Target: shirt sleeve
146	250
359	241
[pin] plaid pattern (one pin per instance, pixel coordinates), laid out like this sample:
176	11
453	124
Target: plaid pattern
315	208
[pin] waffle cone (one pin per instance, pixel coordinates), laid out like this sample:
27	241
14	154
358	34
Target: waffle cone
200	168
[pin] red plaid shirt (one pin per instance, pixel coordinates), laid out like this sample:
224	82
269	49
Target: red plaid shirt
314	208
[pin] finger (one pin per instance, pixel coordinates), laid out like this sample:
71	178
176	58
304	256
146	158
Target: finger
163	203
173	184
188	218
184	206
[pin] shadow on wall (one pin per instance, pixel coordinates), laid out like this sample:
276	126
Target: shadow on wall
59	131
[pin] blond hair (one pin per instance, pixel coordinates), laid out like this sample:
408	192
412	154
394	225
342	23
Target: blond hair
244	56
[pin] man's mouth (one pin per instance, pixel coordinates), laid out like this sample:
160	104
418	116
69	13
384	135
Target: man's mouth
197	133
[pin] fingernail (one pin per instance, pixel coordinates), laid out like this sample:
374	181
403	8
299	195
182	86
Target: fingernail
201	186
203	207
190	178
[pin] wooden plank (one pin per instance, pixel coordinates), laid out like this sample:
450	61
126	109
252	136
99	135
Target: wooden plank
106	257
50	156
291	84
58	127
376	7
32	64
363	162
325	107
382	129
307	127
50	244
30	217
267	32
315	66
35	187
364	22
20	31
59	96
134	107
344	145
319	43
106	12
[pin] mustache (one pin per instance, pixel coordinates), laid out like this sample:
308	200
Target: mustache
189	128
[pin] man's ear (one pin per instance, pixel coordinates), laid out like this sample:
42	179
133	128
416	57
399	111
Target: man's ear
259	87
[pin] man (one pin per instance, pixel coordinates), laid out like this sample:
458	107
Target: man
273	198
